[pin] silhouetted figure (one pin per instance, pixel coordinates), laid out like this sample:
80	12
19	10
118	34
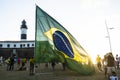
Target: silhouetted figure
117	61
18	63
110	64
31	66
1	60
7	61
105	64
46	65
11	63
23	67
64	66
53	64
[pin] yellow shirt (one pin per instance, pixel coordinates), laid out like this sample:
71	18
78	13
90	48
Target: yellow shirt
98	59
31	60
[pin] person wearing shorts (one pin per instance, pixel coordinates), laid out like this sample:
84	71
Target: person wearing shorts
110	64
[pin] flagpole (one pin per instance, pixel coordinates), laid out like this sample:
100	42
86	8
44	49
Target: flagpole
108	36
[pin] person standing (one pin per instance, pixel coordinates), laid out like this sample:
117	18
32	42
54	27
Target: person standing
53	63
64	65
31	65
105	64
98	60
23	64
12	63
110	64
18	62
117	61
1	60
7	61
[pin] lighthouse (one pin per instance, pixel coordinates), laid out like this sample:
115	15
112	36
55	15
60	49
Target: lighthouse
23	31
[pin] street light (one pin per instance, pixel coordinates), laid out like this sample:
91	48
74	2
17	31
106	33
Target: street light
109	35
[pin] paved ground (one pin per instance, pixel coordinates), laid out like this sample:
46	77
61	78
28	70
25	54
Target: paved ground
43	73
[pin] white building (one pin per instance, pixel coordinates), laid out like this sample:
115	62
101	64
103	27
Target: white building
22	48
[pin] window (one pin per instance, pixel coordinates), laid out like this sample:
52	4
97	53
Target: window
28	45
23	45
14	45
32	44
8	45
20	45
0	45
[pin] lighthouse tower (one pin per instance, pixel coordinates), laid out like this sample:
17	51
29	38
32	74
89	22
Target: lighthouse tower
23	31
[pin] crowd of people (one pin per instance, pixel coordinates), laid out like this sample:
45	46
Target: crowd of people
20	64
109	64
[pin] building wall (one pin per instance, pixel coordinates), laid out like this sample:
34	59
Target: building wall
15	44
19	48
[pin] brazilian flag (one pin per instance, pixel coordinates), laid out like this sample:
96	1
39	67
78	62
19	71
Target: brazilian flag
54	42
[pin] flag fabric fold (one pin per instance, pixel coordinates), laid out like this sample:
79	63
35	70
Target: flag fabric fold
54	42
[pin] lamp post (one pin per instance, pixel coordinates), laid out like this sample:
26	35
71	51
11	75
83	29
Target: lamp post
109	36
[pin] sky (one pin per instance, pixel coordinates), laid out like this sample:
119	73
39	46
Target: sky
86	20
